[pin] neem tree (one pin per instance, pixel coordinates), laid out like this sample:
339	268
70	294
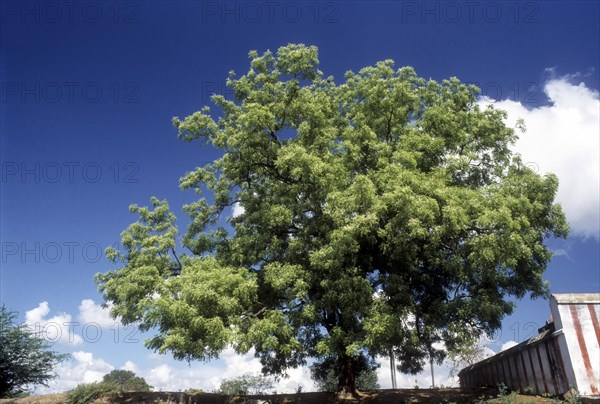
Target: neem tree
384	213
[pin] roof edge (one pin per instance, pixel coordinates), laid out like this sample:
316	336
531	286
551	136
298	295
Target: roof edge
576	298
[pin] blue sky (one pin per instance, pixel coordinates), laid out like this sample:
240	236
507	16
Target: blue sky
88	90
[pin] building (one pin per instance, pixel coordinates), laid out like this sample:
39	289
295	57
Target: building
564	355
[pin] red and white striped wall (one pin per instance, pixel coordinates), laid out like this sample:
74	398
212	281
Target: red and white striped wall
576	318
564	355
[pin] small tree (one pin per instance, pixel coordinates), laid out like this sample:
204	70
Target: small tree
246	384
88	392
112	383
466	353
126	380
24	358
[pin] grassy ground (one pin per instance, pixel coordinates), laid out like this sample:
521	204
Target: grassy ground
400	396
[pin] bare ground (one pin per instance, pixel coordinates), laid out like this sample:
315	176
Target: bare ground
400	396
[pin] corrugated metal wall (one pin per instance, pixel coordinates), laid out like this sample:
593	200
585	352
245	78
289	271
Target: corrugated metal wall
565	354
534	364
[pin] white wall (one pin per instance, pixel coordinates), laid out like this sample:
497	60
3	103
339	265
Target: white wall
576	317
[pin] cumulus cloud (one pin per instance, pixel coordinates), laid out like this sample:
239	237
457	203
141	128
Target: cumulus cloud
129	365
164	374
208	376
563	138
161	375
165	377
90	312
299	377
169	376
82	368
238	365
55	329
87	368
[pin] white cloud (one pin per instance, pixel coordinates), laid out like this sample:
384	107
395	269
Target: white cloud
208	376
235	366
563	138
62	328
83	357
507	345
36	315
237	210
55	329
487	352
422	380
161	375
561	252
85	368
167	375
238	365
90	312
82	368
164	377
296	377
129	365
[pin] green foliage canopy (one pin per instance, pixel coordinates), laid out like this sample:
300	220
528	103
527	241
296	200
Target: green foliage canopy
386	211
25	359
246	384
126	380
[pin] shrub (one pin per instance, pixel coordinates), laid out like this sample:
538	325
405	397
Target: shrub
246	384
126	380
112	383
87	392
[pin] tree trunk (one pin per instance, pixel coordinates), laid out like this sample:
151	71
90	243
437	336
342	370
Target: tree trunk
432	376
347	381
393	368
